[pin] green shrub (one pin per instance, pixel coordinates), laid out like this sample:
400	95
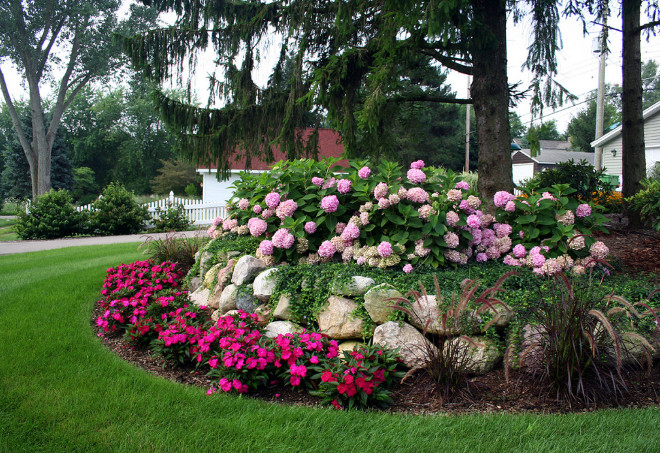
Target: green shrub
192	190
50	216
647	202
581	176
117	212
173	218
175	249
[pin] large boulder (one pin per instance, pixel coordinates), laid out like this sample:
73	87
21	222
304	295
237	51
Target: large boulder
223	278
200	296
377	304
227	300
264	284
283	309
482	356
246	301
210	276
425	314
246	269
205	258
276	328
263	315
349	346
356	286
337	320
413	347
195	283
503	316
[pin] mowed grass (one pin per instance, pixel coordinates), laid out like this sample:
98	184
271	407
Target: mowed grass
61	390
7	232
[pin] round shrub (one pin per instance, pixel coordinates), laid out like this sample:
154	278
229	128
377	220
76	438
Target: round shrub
172	218
50	216
117	212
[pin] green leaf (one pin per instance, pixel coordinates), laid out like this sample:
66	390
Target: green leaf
526	219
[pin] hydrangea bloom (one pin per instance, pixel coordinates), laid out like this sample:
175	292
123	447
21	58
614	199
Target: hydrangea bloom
566	218
408	268
364	218
451	239
329	183
510	206
383	203
426	211
229	224
519	251
340	227
266	247
217	221
502	197
344	185
416	176
283	239
384	249
502	229
330	203
267	213
417	195
464	205
381	191
310	227
462	185
286	209
350	232
257	209
402	192
364	172
584	210
257	226
393	198
272	200
452	218
482	257
599	250
243	204
454	195
473	202
327	249
417	165
317	181
577	243
473	221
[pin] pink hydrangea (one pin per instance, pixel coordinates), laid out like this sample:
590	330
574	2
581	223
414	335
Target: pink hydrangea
310	227
451	239
272	200
452	218
454	195
327	249
502	197
317	181
566	218
267	213
384	249
510	206
417	165
462	185
394	199
426	211
381	191
408	268
384	203
329	183
217	221
350	232
340	227
473	221
243	204
364	218
519	251
257	226
599	250
473	202
266	247
584	210
257	209
283	239
344	185
364	172
416	176
538	260
286	209
417	195
229	224
502	229
481	257
330	203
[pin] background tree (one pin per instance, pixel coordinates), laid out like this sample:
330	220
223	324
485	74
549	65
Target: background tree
35	37
650	84
174	176
581	130
518	129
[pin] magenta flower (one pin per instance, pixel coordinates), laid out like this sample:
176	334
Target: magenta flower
519	251
364	172
417	165
283	239
339	228
473	221
317	181
327	249
462	185
451	239
266	247
408	268
502	229
584	210
329	183
229	224
330	203
481	257
310	227
384	249
416	176
344	185
272	200
502	197
452	218
510	206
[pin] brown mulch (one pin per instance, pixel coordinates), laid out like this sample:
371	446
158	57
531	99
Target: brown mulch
632	251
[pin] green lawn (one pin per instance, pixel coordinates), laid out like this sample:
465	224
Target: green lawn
6	231
61	390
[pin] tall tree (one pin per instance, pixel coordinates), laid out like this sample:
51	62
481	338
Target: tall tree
346	55
581	130
36	36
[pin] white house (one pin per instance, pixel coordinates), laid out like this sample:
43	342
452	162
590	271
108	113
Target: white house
611	143
220	192
551	153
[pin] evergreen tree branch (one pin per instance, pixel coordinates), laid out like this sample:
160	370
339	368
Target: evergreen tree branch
446	61
649	25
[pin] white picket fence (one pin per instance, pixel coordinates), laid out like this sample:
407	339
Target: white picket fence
198	212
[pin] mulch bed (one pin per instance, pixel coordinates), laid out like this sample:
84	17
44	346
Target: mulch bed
632	251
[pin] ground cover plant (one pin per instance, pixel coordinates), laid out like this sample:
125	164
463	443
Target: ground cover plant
85	398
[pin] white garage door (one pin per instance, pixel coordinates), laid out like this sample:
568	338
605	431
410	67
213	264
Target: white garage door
522	172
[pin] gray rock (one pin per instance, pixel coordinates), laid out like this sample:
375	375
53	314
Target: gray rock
412	346
283	309
337	321
356	287
264	284
246	301
377	304
223	278
276	328
210	276
204	260
228	299
483	355
200	296
195	283
503	317
246	269
425	314
263	315
348	346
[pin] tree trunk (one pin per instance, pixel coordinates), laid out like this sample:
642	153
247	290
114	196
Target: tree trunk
40	145
490	94
632	131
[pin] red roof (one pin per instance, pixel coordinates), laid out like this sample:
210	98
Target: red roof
329	146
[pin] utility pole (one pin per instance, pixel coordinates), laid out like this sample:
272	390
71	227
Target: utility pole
467	130
600	105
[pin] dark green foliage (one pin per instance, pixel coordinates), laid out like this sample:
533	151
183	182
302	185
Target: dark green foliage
647	202
174	176
50	216
173	218
174	248
581	176
116	212
85	189
581	130
192	190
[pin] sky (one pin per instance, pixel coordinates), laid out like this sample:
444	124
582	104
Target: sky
578	66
